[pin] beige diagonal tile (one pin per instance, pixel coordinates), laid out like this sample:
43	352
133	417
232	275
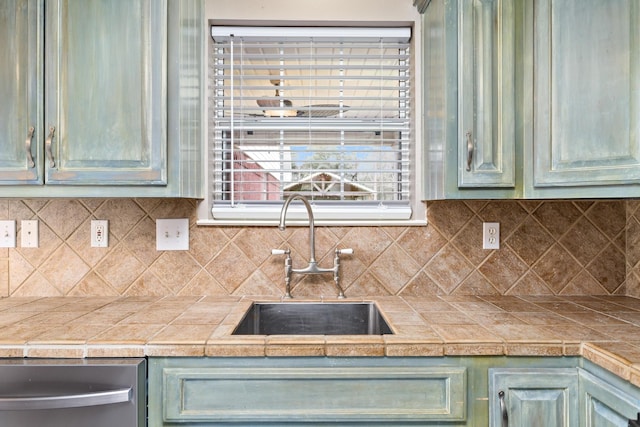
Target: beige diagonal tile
421	243
141	240
557	216
123	215
64	269
448	268
120	268
556	267
584	241
608	216
63	216
175	269
503	268
394	268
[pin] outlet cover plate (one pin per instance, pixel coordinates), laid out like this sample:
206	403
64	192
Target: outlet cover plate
29	233
8	234
99	233
491	235
172	234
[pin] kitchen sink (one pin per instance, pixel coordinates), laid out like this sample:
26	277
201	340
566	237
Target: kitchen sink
307	318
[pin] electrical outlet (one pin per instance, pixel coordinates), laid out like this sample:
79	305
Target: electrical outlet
172	234
490	235
99	233
29	233
7	234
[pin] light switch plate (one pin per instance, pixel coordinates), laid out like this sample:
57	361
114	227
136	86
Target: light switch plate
172	234
7	234
29	233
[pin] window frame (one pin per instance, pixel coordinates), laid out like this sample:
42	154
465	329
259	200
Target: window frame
349	215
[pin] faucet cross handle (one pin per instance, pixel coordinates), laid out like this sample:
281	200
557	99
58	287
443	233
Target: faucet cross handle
280	251
336	269
288	269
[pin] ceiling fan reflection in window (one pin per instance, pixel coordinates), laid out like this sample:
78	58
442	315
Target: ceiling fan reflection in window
277	106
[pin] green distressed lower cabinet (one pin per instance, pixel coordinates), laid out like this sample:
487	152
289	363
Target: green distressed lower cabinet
607	402
533	397
387	391
304	391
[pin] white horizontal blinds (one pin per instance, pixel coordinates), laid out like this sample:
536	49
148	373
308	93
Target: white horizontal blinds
318	111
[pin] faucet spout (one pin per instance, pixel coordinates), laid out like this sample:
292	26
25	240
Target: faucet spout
312	235
312	267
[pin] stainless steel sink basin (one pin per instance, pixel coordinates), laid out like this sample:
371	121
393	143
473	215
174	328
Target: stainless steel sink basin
305	318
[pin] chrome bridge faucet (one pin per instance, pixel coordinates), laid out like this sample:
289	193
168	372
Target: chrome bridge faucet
312	267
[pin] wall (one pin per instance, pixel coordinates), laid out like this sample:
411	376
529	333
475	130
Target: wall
550	247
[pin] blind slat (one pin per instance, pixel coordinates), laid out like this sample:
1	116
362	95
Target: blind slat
327	118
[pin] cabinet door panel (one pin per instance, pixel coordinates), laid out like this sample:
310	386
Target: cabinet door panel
604	404
19	91
486	133
254	395
534	397
106	92
587	92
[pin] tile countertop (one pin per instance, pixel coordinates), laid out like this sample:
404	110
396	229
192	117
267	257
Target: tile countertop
603	329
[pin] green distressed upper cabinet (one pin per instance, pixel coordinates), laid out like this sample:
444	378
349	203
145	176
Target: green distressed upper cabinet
586	85
105	99
20	62
531	99
113	93
469	98
520	397
486	118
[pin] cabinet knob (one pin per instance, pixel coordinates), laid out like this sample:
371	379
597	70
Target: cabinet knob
469	151
47	145
30	161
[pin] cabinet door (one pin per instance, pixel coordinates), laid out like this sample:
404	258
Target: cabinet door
105	100
20	74
254	395
486	116
586	118
533	397
604	405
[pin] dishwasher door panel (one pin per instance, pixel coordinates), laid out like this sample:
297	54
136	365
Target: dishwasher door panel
73	392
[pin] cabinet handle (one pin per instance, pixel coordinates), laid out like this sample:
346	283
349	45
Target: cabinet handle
503	410
80	400
47	145
469	151
30	161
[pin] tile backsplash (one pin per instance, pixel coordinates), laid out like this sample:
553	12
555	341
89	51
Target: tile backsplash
547	247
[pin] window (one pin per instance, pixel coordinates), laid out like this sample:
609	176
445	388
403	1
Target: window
320	111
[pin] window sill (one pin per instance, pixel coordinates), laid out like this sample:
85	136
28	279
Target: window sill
318	223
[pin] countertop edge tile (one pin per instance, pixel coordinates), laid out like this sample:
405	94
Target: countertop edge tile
174	350
56	351
12	351
115	351
635	374
607	360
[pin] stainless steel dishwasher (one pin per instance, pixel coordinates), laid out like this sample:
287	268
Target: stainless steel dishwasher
73	392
